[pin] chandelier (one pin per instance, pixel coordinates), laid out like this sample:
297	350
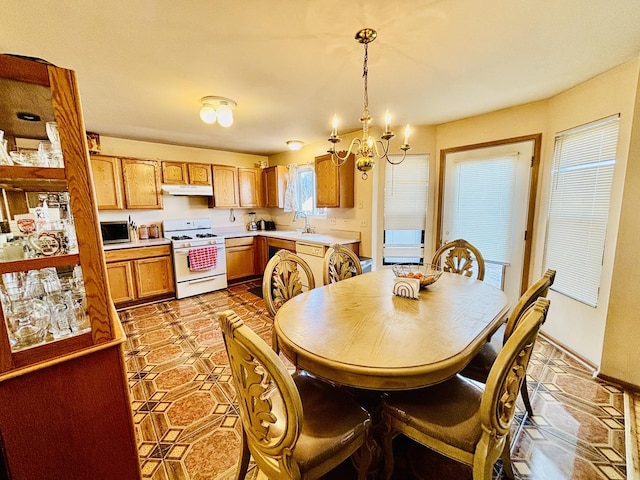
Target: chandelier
367	149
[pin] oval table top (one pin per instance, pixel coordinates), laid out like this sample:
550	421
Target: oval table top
358	333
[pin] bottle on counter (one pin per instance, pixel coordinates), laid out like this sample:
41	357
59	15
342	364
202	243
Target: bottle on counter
143	232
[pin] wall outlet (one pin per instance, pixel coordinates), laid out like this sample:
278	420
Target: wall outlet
360	204
332	220
363	223
345	221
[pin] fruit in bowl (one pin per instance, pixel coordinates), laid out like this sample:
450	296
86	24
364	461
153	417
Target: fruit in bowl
428	274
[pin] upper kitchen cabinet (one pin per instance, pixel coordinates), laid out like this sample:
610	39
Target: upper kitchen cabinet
175	173
107	179
183	173
275	184
199	173
236	187
63	386
334	185
250	187
142	187
225	186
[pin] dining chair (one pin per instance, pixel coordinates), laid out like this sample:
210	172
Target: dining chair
480	365
459	418
460	258
295	426
285	276
340	263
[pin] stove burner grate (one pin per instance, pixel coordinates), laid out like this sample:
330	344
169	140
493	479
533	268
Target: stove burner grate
181	237
205	235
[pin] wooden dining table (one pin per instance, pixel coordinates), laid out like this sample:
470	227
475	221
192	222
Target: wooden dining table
358	333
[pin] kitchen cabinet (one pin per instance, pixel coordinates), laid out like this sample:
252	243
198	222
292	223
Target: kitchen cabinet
107	180
334	185
68	394
236	187
183	173
225	186
126	183
275	180
140	274
250	187
261	254
241	257
142	187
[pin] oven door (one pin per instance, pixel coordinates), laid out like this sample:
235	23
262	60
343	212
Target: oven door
184	273
190	282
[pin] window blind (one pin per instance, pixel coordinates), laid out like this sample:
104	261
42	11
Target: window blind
405	209
484	203
581	181
405	193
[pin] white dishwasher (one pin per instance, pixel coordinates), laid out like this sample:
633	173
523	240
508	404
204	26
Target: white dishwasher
313	254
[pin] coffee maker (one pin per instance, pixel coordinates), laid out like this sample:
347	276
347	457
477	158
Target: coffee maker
252	225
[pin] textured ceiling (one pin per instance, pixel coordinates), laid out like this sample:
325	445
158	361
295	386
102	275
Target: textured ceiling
143	66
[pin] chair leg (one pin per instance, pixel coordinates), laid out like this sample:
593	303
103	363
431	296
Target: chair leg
245	456
525	396
506	458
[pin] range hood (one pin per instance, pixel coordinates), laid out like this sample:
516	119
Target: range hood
201	190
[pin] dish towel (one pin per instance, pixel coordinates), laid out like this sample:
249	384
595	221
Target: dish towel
202	258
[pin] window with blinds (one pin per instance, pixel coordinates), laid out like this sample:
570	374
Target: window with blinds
581	182
405	209
483	203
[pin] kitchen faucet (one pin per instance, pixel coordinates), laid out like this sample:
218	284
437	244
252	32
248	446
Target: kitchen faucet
307	227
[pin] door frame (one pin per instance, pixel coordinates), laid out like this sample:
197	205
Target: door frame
533	187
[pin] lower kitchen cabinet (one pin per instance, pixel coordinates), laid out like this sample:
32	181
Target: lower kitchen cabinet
140	274
241	257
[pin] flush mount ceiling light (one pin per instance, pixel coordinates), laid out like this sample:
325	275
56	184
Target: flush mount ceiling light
218	109
295	145
366	148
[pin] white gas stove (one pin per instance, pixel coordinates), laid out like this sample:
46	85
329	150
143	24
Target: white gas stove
199	257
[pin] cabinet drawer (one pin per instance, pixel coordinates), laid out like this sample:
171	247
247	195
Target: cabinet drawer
136	253
238	242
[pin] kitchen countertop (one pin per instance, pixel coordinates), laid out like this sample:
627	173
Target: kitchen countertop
326	239
152	242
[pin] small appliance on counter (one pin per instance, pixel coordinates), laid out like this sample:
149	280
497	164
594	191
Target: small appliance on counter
269	225
252	225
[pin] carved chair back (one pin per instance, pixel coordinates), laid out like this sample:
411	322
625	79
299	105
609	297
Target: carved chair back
460	257
340	263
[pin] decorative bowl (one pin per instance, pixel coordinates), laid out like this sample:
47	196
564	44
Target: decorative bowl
428	274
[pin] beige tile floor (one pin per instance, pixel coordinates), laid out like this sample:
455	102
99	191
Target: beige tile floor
187	423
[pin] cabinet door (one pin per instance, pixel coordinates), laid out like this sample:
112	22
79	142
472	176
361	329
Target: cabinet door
334	185
154	276
250	187
120	276
261	254
141	183
240	262
107	181
275	184
174	173
225	186
199	173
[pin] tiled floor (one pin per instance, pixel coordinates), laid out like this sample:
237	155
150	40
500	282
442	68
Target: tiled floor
188	427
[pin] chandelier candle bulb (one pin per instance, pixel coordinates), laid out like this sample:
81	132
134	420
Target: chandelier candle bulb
334	124
407	131
387	123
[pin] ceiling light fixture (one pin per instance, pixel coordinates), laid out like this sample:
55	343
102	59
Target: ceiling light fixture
218	109
367	149
295	145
